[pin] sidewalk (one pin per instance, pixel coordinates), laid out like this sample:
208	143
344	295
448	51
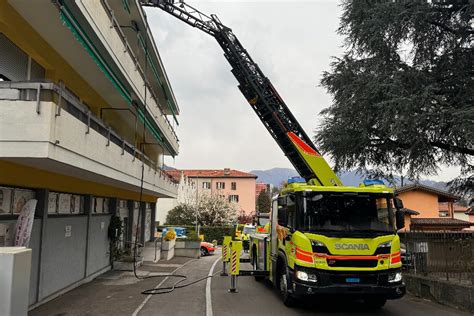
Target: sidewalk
113	293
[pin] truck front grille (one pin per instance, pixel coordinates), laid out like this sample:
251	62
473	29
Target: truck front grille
352	263
364	279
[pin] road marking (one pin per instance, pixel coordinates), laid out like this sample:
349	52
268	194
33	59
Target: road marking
208	289
139	308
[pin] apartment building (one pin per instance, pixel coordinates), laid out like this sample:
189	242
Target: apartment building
186	193
429	209
86	117
236	186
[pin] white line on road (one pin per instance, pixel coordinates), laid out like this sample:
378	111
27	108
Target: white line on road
208	289
139	308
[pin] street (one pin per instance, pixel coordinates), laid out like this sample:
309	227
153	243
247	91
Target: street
259	298
119	293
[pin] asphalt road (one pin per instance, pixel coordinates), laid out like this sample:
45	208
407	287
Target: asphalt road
259	298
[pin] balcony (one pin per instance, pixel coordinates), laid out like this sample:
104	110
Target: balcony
91	43
44	126
104	24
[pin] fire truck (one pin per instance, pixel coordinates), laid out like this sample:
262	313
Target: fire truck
324	238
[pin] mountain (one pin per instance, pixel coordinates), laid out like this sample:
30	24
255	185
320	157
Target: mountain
276	176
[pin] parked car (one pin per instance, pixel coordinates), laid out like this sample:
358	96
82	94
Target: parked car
180	231
207	248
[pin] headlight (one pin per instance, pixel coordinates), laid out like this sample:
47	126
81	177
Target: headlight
304	276
395	277
383	248
319	247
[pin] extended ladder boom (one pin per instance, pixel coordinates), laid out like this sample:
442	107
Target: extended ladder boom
260	93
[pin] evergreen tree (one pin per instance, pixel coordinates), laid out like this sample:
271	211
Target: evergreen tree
264	202
403	92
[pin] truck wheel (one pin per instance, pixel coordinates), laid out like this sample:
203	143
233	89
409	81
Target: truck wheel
375	302
255	267
288	300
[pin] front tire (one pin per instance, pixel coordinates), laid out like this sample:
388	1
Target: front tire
204	252
284	284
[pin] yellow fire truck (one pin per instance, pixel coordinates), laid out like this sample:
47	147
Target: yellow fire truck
324	237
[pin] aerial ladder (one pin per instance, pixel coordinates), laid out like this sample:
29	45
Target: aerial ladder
260	94
323	237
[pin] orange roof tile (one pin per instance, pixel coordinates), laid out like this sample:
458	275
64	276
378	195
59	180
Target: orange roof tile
210	173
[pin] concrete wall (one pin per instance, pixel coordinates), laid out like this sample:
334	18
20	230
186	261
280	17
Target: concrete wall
63	140
447	293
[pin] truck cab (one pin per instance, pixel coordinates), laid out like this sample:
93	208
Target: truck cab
334	240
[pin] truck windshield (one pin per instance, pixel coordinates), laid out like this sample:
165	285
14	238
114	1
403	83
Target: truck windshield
347	212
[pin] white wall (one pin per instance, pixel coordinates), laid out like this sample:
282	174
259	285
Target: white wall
186	192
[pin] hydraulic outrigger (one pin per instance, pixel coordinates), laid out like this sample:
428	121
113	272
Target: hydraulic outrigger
323	237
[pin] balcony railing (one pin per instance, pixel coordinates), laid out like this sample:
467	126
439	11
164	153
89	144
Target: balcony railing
66	101
115	24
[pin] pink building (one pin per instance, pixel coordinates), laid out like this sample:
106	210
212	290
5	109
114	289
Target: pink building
236	186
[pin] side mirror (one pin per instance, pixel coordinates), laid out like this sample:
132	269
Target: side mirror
282	216
398	203
400	219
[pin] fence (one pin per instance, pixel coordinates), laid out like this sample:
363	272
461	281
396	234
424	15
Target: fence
444	255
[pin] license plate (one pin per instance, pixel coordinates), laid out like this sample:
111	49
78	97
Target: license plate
352	280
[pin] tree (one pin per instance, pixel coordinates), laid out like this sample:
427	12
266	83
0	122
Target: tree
209	209
403	92
264	202
182	214
244	218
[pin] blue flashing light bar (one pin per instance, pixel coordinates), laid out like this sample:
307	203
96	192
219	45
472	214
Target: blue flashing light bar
369	182
296	180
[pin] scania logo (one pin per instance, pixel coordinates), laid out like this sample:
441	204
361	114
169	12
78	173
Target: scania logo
352	246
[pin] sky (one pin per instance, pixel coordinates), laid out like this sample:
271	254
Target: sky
293	42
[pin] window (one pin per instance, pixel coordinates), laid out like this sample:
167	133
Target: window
206	185
234	198
220	185
233	186
443	214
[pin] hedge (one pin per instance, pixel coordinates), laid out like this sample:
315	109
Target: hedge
217	233
210	232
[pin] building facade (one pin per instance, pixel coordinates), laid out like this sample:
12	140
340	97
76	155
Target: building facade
186	192
86	117
236	186
429	209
